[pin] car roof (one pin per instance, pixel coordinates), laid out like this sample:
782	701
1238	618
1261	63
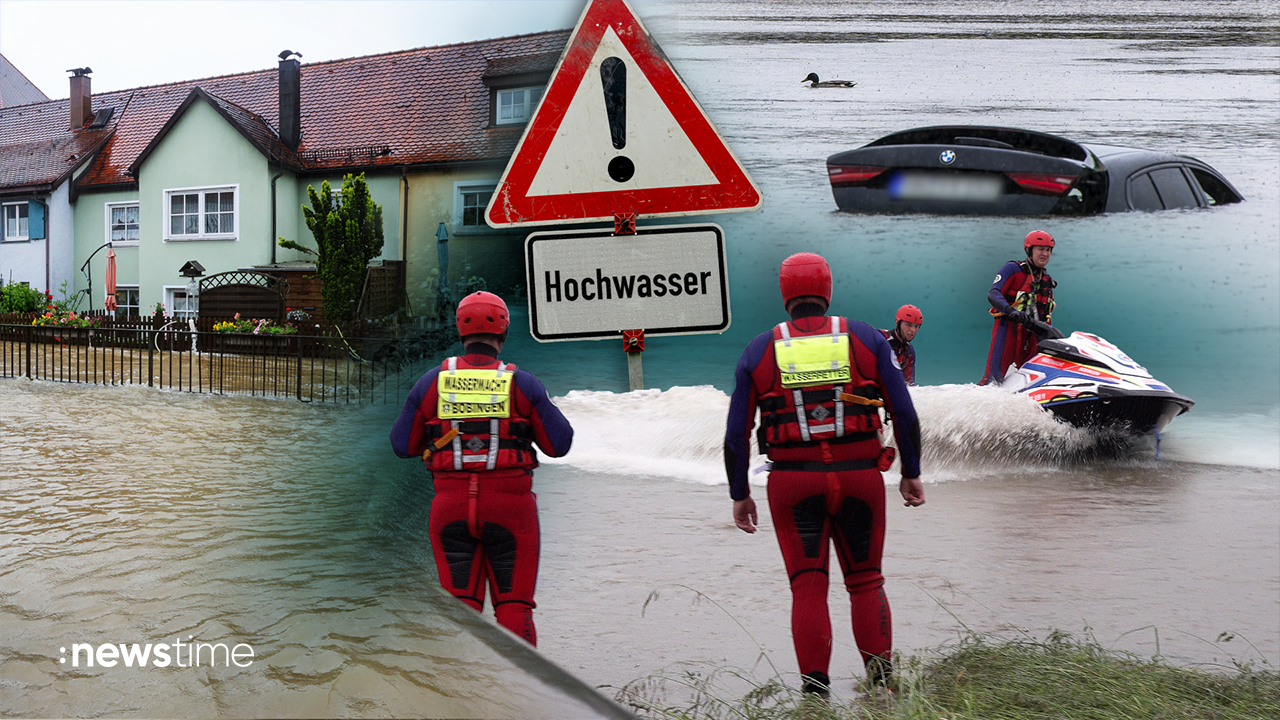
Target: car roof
1127	159
1010	138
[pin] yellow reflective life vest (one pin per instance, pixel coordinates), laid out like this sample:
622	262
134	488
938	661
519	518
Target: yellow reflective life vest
467	394
813	359
477	426
821	394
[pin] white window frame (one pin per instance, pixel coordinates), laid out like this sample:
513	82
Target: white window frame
137	308
171	303
108	207
526	107
460	190
165	213
4	223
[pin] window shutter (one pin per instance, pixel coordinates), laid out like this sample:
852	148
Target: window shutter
35	220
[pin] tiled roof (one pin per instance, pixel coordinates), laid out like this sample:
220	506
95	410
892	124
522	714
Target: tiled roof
425	106
15	88
37	146
519	65
250	125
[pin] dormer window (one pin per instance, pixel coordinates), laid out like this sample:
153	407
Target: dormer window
516	85
516	105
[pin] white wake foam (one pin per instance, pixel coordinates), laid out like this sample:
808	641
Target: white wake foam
677	433
967	431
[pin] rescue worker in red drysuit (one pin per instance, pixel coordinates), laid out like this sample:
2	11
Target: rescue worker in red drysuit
819	382
475	420
907	324
1022	292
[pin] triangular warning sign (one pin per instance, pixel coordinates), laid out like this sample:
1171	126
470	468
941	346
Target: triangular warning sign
617	131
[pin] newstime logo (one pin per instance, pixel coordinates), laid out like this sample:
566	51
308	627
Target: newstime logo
175	654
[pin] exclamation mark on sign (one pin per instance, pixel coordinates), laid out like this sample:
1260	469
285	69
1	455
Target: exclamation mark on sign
613	76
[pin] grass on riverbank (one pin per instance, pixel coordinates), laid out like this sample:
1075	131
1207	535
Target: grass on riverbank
1059	678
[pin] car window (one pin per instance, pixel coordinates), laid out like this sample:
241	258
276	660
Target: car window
1173	188
1217	191
1142	194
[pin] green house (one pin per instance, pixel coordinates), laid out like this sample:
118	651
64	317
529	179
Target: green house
215	170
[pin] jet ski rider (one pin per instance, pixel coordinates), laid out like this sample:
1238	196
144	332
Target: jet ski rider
907	324
1022	292
819	382
474	420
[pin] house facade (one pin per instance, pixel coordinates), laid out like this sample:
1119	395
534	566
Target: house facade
42	145
215	170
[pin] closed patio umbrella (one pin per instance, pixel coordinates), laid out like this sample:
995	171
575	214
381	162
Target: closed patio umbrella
111	280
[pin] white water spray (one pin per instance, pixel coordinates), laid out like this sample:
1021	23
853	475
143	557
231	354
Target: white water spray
967	432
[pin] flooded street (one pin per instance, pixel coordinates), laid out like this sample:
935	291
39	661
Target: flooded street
157	516
290	528
138	516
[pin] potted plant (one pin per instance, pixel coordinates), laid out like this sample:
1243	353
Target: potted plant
241	334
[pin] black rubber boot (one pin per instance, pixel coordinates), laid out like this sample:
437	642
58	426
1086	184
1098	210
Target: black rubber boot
816	683
880	672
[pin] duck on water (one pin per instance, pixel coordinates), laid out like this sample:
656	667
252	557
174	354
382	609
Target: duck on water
815	82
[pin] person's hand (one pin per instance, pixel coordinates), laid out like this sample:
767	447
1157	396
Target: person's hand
1018	316
912	490
744	514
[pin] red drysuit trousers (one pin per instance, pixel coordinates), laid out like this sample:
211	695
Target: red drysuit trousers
811	512
484	532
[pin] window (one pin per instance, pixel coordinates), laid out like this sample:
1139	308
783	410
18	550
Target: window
469	202
122	223
1165	187
1215	188
1173	188
179	304
15	221
515	105
201	213
1142	194
126	301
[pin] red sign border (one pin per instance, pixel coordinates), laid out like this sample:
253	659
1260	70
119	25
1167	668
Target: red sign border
511	205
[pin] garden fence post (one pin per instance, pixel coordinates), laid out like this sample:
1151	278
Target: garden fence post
30	338
151	343
299	376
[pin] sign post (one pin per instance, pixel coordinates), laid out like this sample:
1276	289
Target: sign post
633	344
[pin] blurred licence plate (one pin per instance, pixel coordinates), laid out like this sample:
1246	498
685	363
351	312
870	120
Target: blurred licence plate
937	186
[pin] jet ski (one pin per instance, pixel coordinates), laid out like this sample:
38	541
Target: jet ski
1088	382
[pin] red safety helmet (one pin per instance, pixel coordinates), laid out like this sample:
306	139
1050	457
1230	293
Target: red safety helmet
1037	237
911	314
482	312
805	274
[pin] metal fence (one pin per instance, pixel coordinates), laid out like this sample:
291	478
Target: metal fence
307	367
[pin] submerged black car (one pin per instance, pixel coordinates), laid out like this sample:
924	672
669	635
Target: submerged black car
974	170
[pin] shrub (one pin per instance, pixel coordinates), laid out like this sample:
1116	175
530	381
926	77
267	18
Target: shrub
20	298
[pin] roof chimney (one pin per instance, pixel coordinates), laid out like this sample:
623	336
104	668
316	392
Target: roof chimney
81	98
290	100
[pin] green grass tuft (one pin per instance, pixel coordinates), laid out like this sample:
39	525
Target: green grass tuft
1059	678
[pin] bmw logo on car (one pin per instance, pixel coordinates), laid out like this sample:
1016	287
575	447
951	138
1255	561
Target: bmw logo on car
947	157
